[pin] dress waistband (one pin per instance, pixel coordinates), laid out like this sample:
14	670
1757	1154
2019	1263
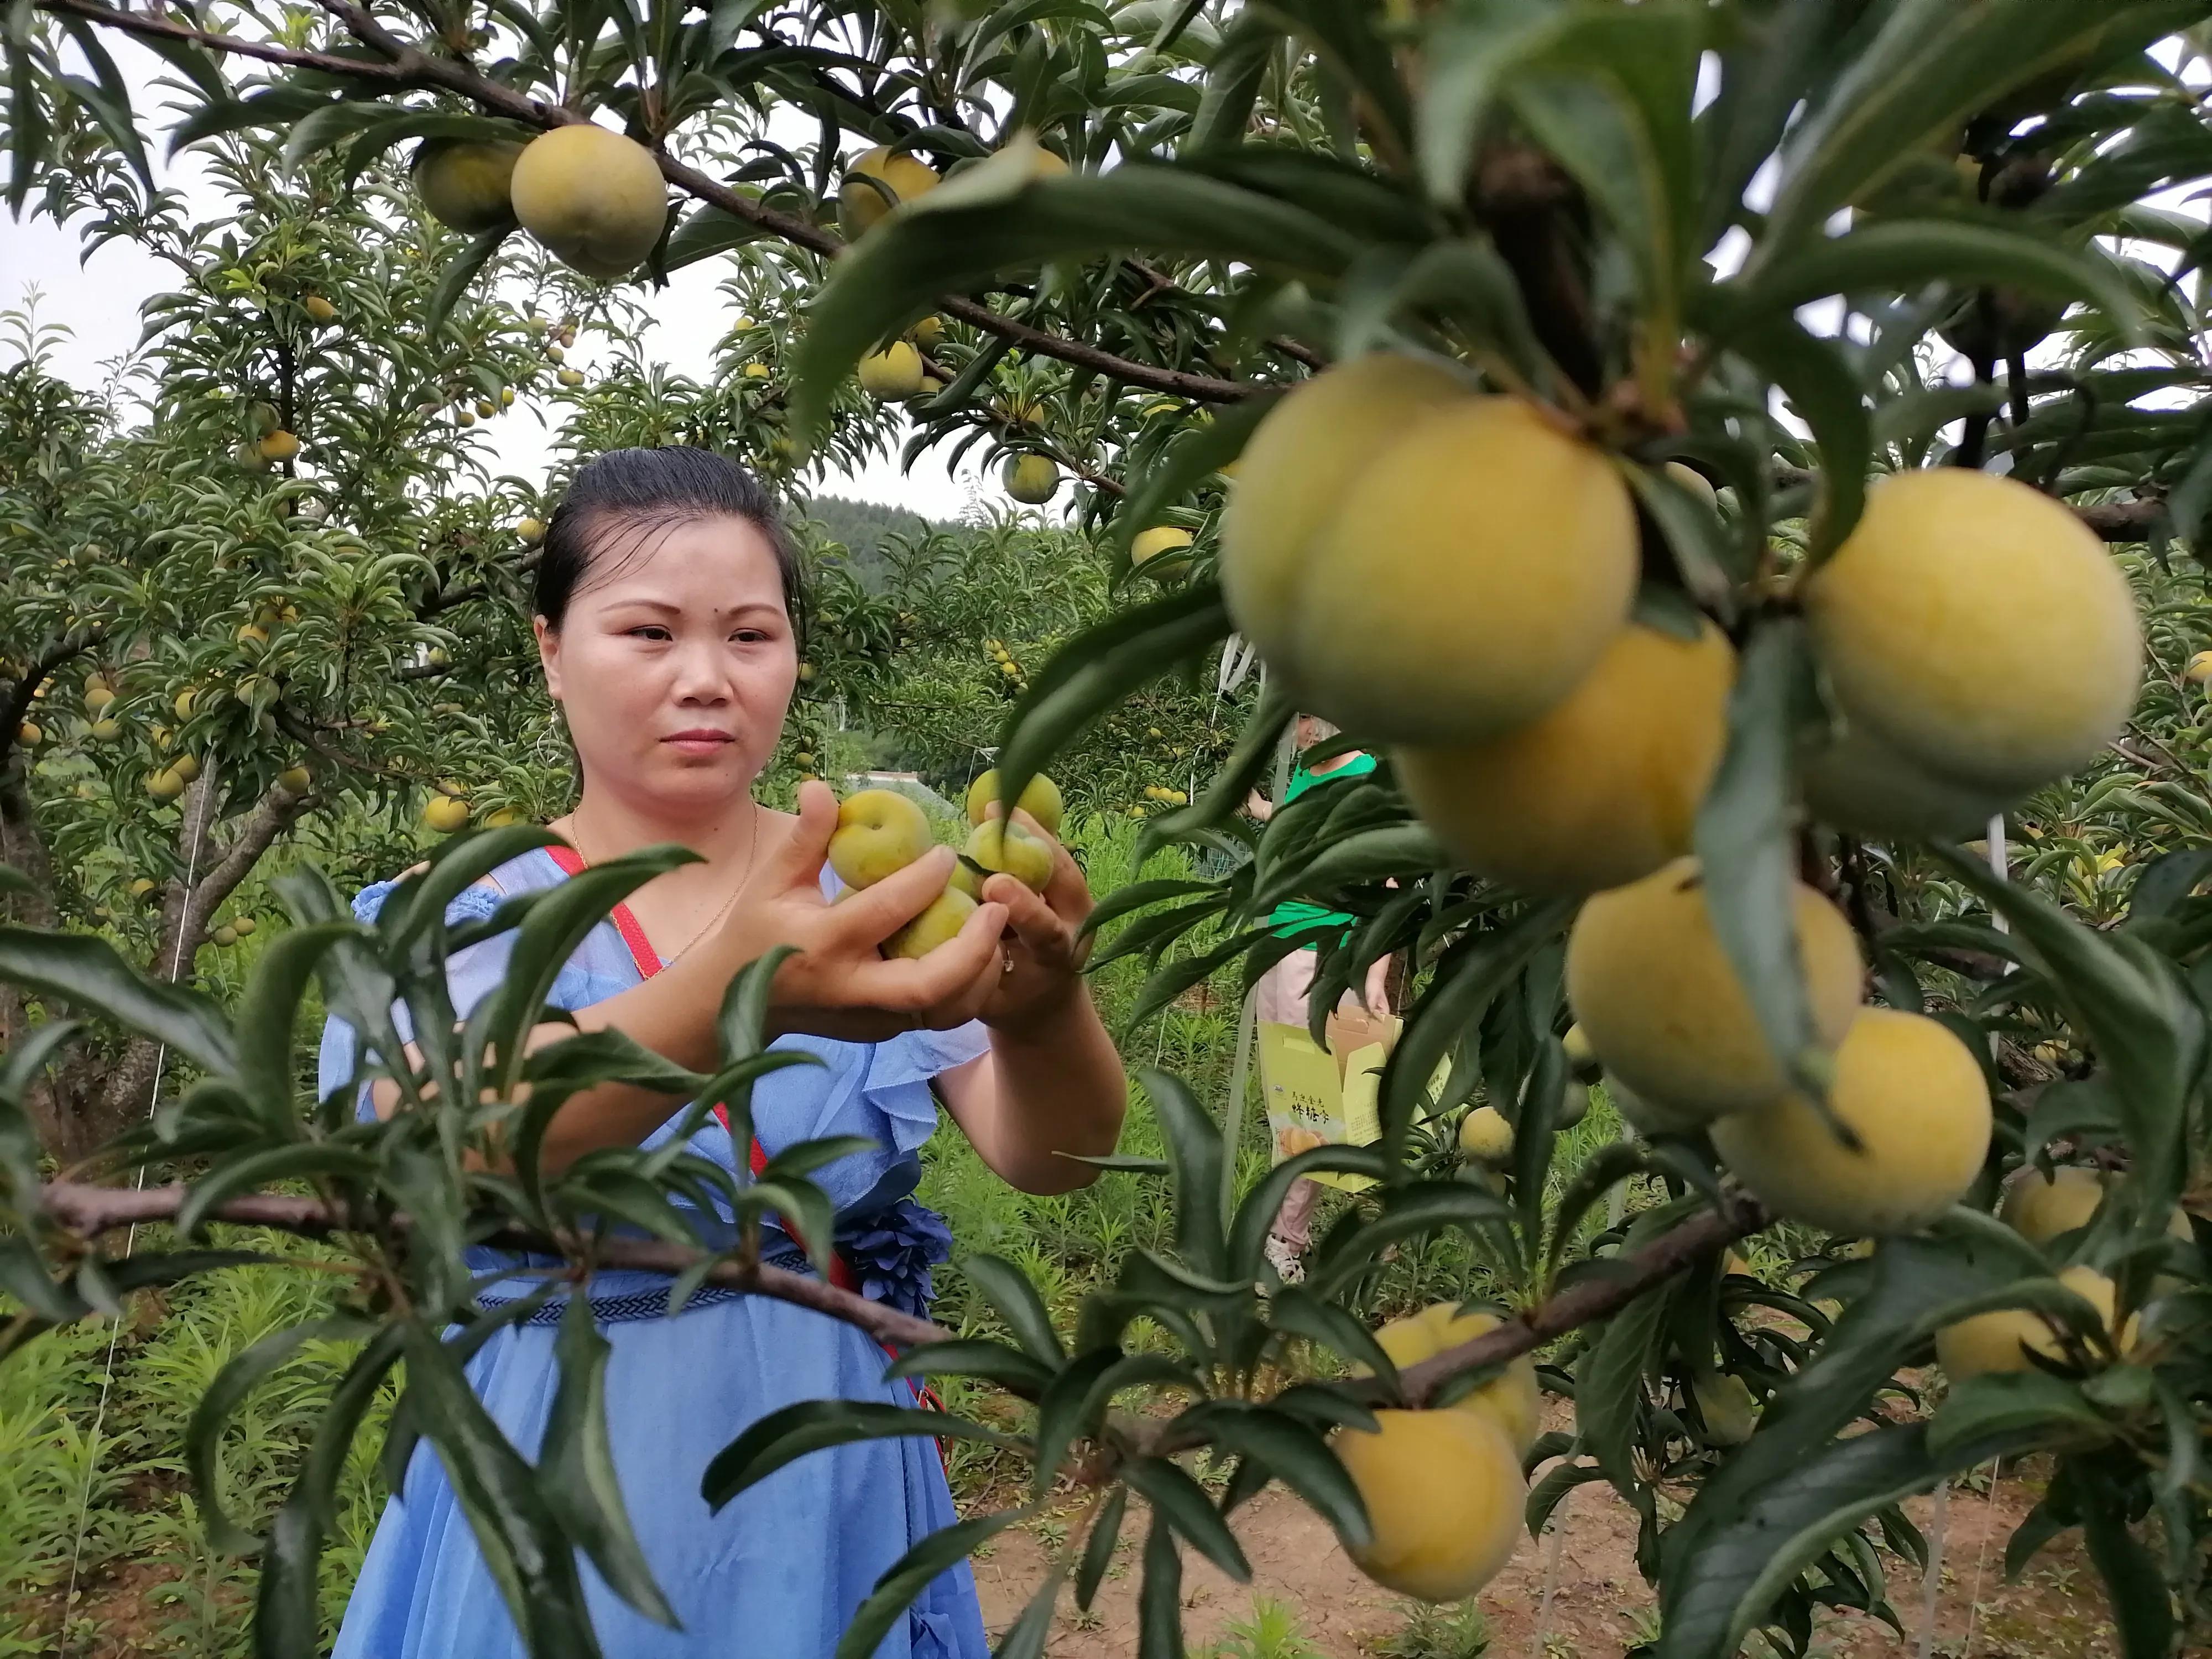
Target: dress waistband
643	1305
885	1256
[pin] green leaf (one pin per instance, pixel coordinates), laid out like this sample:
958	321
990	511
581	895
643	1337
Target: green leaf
244	1373
1292	1453
1609	1389
1182	1504
1744	829
110	103
576	1466
269	1011
1255	1214
523	1547
1623	130
420	902
1293	1310
1159	1603
2135	1591
1369	855
1473	971
913	1572
1711	1557
288	1612
460	272
1473	53
2013	1402
2166	881
707	231
940	244
558	923
1771	59
1408	1210
1099	1547
1026	1638
1607	1167
1063	1410
1194	1150
785	1436
25	1276
1900	255
1791	1524
1933	64
1137	895
2130	1002
1463	281
394	126
87	973
1818	381
273	106
1096	670
1016	1301
1233	80
1193	457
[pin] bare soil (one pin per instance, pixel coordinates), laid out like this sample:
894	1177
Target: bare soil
1599	1606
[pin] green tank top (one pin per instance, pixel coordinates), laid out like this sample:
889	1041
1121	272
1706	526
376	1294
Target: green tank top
1297	917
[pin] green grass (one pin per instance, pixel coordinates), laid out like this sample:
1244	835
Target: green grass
1457	1631
142	1518
1272	1632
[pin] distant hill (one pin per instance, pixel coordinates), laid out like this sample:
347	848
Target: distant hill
863	526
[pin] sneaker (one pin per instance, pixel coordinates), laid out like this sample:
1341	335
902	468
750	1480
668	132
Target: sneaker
1284	1257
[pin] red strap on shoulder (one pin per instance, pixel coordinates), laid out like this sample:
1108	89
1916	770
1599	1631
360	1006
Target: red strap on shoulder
626	923
649	964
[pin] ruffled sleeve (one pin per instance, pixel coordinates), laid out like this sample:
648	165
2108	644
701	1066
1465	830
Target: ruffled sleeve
471	974
899	1072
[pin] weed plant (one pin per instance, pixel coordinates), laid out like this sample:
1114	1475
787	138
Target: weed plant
144	1567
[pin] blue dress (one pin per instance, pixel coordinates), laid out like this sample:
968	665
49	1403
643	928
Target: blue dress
778	1573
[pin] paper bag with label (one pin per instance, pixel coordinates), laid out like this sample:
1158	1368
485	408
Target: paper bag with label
1350	1029
1313	1099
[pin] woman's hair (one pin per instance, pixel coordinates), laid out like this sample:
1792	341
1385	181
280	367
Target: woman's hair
622	500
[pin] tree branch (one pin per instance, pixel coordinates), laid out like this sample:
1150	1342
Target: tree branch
2113	521
17	707
271	815
86	1212
160	28
294	726
1614	1286
410	67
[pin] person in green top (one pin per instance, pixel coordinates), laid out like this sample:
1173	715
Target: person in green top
1284	994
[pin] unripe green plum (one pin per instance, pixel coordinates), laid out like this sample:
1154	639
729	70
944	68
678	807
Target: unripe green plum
879	832
946	915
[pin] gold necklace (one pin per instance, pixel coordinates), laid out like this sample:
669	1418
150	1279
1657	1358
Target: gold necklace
752	846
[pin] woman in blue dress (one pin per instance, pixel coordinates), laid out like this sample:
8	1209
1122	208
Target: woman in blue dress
668	621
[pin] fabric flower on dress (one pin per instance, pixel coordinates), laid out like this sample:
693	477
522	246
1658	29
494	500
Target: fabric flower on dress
891	1251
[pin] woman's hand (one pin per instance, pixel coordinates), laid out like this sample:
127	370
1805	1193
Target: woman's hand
840	985
1042	952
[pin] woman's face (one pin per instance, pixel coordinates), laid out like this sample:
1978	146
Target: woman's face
676	669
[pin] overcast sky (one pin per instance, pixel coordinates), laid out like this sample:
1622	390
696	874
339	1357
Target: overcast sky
97	298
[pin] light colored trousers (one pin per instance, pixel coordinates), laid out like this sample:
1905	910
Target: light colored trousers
1284	995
